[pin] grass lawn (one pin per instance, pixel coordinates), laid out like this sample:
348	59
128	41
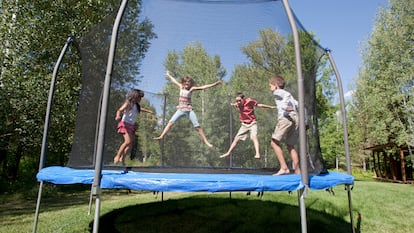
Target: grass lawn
377	207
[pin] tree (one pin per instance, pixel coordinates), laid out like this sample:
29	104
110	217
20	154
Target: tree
183	145
273	54
32	36
382	107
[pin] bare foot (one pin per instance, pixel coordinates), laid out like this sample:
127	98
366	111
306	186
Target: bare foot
257	156
116	159
158	138
224	155
283	171
122	160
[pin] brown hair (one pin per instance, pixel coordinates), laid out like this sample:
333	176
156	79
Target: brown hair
132	96
188	79
278	80
240	94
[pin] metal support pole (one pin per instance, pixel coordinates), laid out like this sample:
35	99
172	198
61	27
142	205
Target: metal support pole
345	127
302	194
96	186
46	126
343	111
230	128
164	111
302	130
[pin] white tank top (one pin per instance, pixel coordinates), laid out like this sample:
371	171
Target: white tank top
130	116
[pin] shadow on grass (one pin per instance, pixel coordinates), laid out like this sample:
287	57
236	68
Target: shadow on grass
206	214
55	197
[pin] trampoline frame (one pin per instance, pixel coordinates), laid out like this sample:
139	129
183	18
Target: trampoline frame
97	178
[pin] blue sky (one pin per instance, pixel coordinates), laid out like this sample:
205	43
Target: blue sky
341	26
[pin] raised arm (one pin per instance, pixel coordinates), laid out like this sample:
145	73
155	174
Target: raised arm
146	110
266	106
173	79
206	86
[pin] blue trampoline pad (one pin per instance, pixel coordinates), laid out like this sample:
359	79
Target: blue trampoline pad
190	182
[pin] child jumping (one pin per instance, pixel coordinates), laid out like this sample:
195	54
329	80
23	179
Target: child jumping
184	107
246	106
127	126
287	125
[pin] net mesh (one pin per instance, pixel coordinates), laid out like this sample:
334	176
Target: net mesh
243	43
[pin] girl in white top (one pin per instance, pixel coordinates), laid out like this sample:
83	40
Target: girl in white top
184	107
126	126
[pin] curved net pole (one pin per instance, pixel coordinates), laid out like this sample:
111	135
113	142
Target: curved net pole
96	186
343	112
164	110
302	193
344	125
46	126
230	128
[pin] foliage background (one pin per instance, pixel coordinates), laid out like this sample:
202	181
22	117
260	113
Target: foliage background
32	34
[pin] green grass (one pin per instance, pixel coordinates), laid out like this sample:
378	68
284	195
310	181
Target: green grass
377	207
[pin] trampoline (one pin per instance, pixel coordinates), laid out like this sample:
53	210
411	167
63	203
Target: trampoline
182	165
223	180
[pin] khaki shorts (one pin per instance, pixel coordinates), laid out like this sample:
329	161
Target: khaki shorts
246	128
287	129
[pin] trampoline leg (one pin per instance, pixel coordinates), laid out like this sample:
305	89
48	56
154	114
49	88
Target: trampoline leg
348	189
90	201
302	193
39	197
97	213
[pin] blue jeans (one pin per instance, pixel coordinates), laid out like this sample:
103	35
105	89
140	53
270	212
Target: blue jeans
179	113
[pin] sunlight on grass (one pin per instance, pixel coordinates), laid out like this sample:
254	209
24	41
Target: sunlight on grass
377	207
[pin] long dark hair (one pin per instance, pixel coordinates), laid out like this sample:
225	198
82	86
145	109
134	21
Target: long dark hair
132	98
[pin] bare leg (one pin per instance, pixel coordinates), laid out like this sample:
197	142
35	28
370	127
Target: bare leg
122	149
122	157
279	154
165	131
203	136
295	158
127	149
256	147
233	144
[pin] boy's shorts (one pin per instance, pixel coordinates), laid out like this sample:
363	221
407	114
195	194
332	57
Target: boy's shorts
245	128
287	129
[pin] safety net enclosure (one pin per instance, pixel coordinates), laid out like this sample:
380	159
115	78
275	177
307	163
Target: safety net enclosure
243	43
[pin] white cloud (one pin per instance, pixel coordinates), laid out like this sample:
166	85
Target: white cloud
349	94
